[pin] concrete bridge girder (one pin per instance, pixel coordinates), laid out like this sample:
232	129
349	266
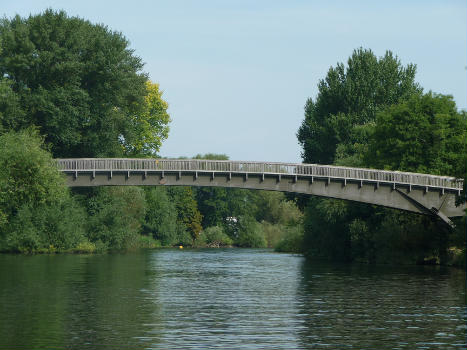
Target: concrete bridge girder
417	199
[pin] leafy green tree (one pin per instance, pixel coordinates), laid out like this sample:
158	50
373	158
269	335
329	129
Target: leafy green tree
249	233
36	210
424	134
215	236
274	208
116	215
348	98
79	82
337	129
161	216
11	112
212	156
373	114
189	217
151	125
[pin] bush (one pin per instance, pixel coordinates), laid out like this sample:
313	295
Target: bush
216	237
148	242
161	216
249	233
37	212
184	238
116	216
84	248
272	232
292	242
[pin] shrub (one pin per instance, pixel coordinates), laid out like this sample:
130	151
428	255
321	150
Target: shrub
216	237
292	242
36	209
249	233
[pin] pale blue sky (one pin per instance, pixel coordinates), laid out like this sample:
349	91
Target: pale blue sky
237	73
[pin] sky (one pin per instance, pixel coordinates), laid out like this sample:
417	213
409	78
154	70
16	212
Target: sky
237	73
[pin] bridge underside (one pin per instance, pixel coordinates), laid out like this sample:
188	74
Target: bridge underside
422	200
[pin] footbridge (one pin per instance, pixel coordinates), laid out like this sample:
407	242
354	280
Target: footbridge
419	193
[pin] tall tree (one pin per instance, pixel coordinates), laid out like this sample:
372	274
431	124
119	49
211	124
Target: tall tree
79	82
424	134
151	125
336	130
348	98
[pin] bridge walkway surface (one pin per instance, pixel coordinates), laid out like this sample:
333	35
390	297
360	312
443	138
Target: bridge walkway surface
420	193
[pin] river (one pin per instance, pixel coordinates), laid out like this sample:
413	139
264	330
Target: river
226	299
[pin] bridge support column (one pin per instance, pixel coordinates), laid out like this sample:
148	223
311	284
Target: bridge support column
433	212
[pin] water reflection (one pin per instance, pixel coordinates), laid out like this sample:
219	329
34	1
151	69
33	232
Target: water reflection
382	307
226	299
74	301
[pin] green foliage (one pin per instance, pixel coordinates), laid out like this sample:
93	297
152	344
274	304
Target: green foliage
215	236
36	210
27	172
292	240
326	234
148	242
150	126
161	216
84	248
274	208
424	134
349	98
11	113
212	156
371	113
115	216
273	233
184	238
78	82
189	217
249	233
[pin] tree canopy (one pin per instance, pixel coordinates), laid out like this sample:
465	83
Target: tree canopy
80	84
372	113
424	134
348	98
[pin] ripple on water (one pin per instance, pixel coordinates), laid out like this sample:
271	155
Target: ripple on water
226	299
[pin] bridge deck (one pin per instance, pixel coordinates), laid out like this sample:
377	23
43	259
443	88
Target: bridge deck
444	183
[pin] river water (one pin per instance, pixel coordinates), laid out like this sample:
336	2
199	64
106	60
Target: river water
226	299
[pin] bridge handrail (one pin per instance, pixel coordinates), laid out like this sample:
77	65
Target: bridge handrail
202	165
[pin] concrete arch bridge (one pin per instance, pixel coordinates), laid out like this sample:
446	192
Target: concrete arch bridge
419	193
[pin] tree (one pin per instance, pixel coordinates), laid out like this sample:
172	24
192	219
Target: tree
348	98
80	83
217	204
336	130
424	134
116	215
189	217
161	216
373	114
36	210
151	125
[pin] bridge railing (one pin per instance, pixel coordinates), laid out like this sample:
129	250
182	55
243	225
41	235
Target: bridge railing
127	164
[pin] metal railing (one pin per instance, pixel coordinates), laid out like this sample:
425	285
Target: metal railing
226	166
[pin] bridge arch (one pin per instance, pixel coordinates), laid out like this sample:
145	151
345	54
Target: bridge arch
419	193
